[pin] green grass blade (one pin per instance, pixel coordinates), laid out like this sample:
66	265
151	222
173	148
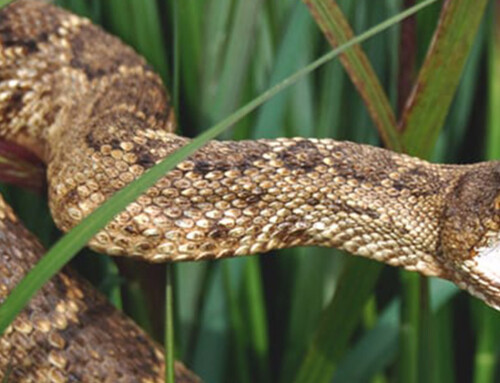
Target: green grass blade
444	350
231	276
80	7
493	126
216	31
148	35
169	327
440	75
237	60
334	25
191	15
323	354
256	319
271	116
378	347
3	3
486	353
408	366
118	18
72	242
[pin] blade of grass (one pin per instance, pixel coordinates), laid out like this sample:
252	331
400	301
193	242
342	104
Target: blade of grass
72	242
337	30
364	360
242	368
211	359
270	116
3	3
237	60
169	328
80	7
440	74
452	139
319	363
191	16
256	319
493	138
149	35
444	349
408	366
485	354
118	19
216	31
407	56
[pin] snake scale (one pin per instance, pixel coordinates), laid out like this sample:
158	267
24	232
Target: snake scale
99	117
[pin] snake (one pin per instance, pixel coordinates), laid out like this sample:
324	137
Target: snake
99	117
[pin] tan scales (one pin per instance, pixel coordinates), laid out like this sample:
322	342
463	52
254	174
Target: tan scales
97	114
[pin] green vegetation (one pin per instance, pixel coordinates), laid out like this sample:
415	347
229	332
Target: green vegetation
311	314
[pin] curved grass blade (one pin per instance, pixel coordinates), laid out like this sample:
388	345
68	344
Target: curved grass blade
337	30
440	75
72	242
3	3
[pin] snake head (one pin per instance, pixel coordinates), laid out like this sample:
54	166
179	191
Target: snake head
470	237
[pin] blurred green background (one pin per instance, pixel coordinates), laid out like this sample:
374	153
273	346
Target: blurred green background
273	318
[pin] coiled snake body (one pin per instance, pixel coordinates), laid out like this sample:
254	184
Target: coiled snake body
99	117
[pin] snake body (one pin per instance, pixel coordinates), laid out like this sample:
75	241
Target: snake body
69	332
99	117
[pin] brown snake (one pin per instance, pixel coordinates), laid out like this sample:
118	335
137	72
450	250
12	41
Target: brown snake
99	117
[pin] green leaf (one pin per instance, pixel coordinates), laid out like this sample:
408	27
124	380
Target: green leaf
338	325
237	60
334	25
378	347
440	75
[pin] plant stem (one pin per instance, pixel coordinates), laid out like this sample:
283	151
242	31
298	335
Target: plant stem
169	326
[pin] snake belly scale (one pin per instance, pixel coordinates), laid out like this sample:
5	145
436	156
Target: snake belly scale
99	117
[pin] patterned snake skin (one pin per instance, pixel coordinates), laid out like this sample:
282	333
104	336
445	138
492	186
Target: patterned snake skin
99	117
69	332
